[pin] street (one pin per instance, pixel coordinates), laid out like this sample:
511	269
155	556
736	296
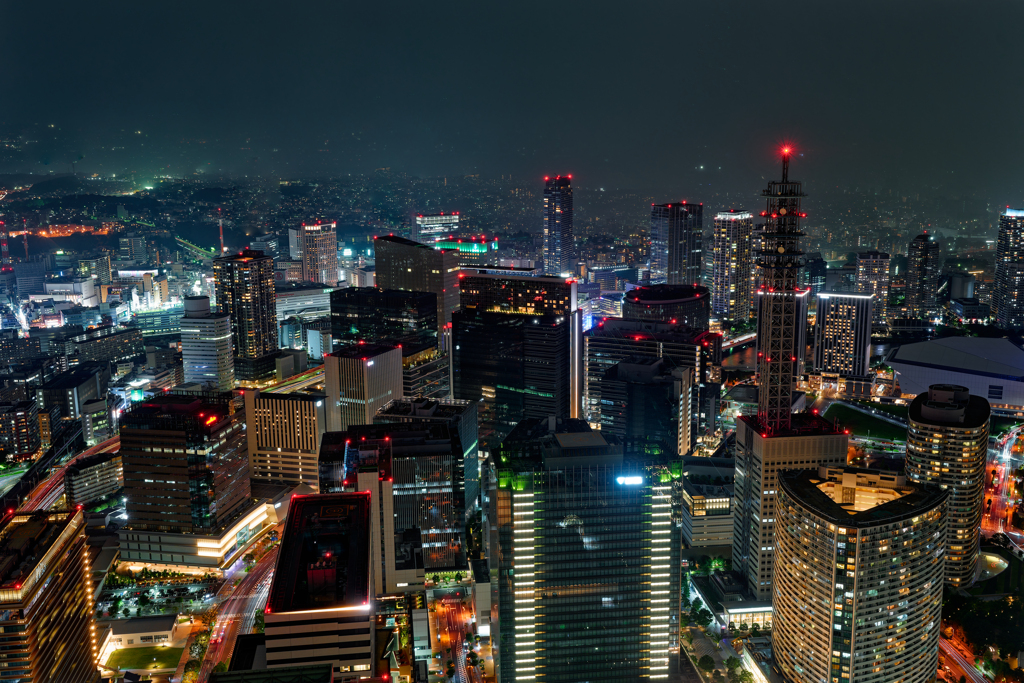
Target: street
453	620
49	491
959	664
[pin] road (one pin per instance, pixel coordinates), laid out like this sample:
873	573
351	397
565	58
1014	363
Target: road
298	382
455	618
959	664
237	613
49	491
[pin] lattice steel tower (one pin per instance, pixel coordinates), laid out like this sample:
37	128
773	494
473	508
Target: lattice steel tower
779	260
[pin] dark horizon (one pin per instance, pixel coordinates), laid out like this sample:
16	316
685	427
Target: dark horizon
872	94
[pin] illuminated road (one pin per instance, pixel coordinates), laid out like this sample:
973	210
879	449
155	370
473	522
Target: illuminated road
455	619
237	614
49	491
298	382
956	660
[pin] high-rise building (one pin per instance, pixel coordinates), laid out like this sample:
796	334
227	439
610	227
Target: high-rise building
1008	294
614	340
19	430
459	416
97	268
284	432
374	315
320	253
559	238
169	487
519	294
873	278
206	351
46	603
320	608
133	248
681	228
432	227
244	285
268	244
923	268
646	403
359	380
414	474
688	305
947	444
93	477
814	273
842	339
732	261
414	267
584	557
858	581
776	439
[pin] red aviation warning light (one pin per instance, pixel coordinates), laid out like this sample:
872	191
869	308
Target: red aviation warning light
786	151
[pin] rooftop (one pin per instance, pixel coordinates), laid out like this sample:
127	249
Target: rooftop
949	405
802	424
24	541
363	350
666	294
996	358
426	408
324	561
143	625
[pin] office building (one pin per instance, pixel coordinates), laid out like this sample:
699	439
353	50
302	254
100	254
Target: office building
584	556
320	608
97	268
133	248
924	264
96	421
873	278
414	474
519	294
302	300
776	439
688	305
359	380
1008	293
426	371
295	244
474	252
109	344
731	265
71	390
244	286
46	602
268	244
614	340
29	276
646	403
842	339
434	227
858	582
814	274
680	228
414	267
459	416
284	432
206	350
159	322
320	253
19	430
707	515
185	464
92	478
374	315
559	238
947	444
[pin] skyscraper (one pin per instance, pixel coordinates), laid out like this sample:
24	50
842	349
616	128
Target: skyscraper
732	261
435	226
559	244
284	432
842	339
206	345
923	268
1008	294
776	439
681	228
688	305
873	278
373	315
320	253
359	380
244	285
414	267
46	604
858	581
947	444
584	557
646	402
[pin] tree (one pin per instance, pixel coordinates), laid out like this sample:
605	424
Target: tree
716	676
745	676
458	577
702	617
706	663
755	631
126	612
733	662
743	626
220	668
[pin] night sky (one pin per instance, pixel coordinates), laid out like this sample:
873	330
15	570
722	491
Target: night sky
625	94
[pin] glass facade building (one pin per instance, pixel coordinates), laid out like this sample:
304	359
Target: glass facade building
677	239
688	305
373	315
559	239
244	285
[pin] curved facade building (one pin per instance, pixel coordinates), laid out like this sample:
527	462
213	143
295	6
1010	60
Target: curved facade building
688	305
857	594
947	444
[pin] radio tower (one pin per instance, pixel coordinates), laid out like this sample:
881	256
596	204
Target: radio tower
221	222
777	319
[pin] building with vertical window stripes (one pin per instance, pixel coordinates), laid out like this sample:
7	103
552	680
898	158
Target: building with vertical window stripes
414	267
858	582
873	278
1008	293
19	430
731	265
359	380
559	238
585	556
320	608
46	608
206	352
842	339
947	444
284	432
414	473
924	264
244	285
680	228
320	253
